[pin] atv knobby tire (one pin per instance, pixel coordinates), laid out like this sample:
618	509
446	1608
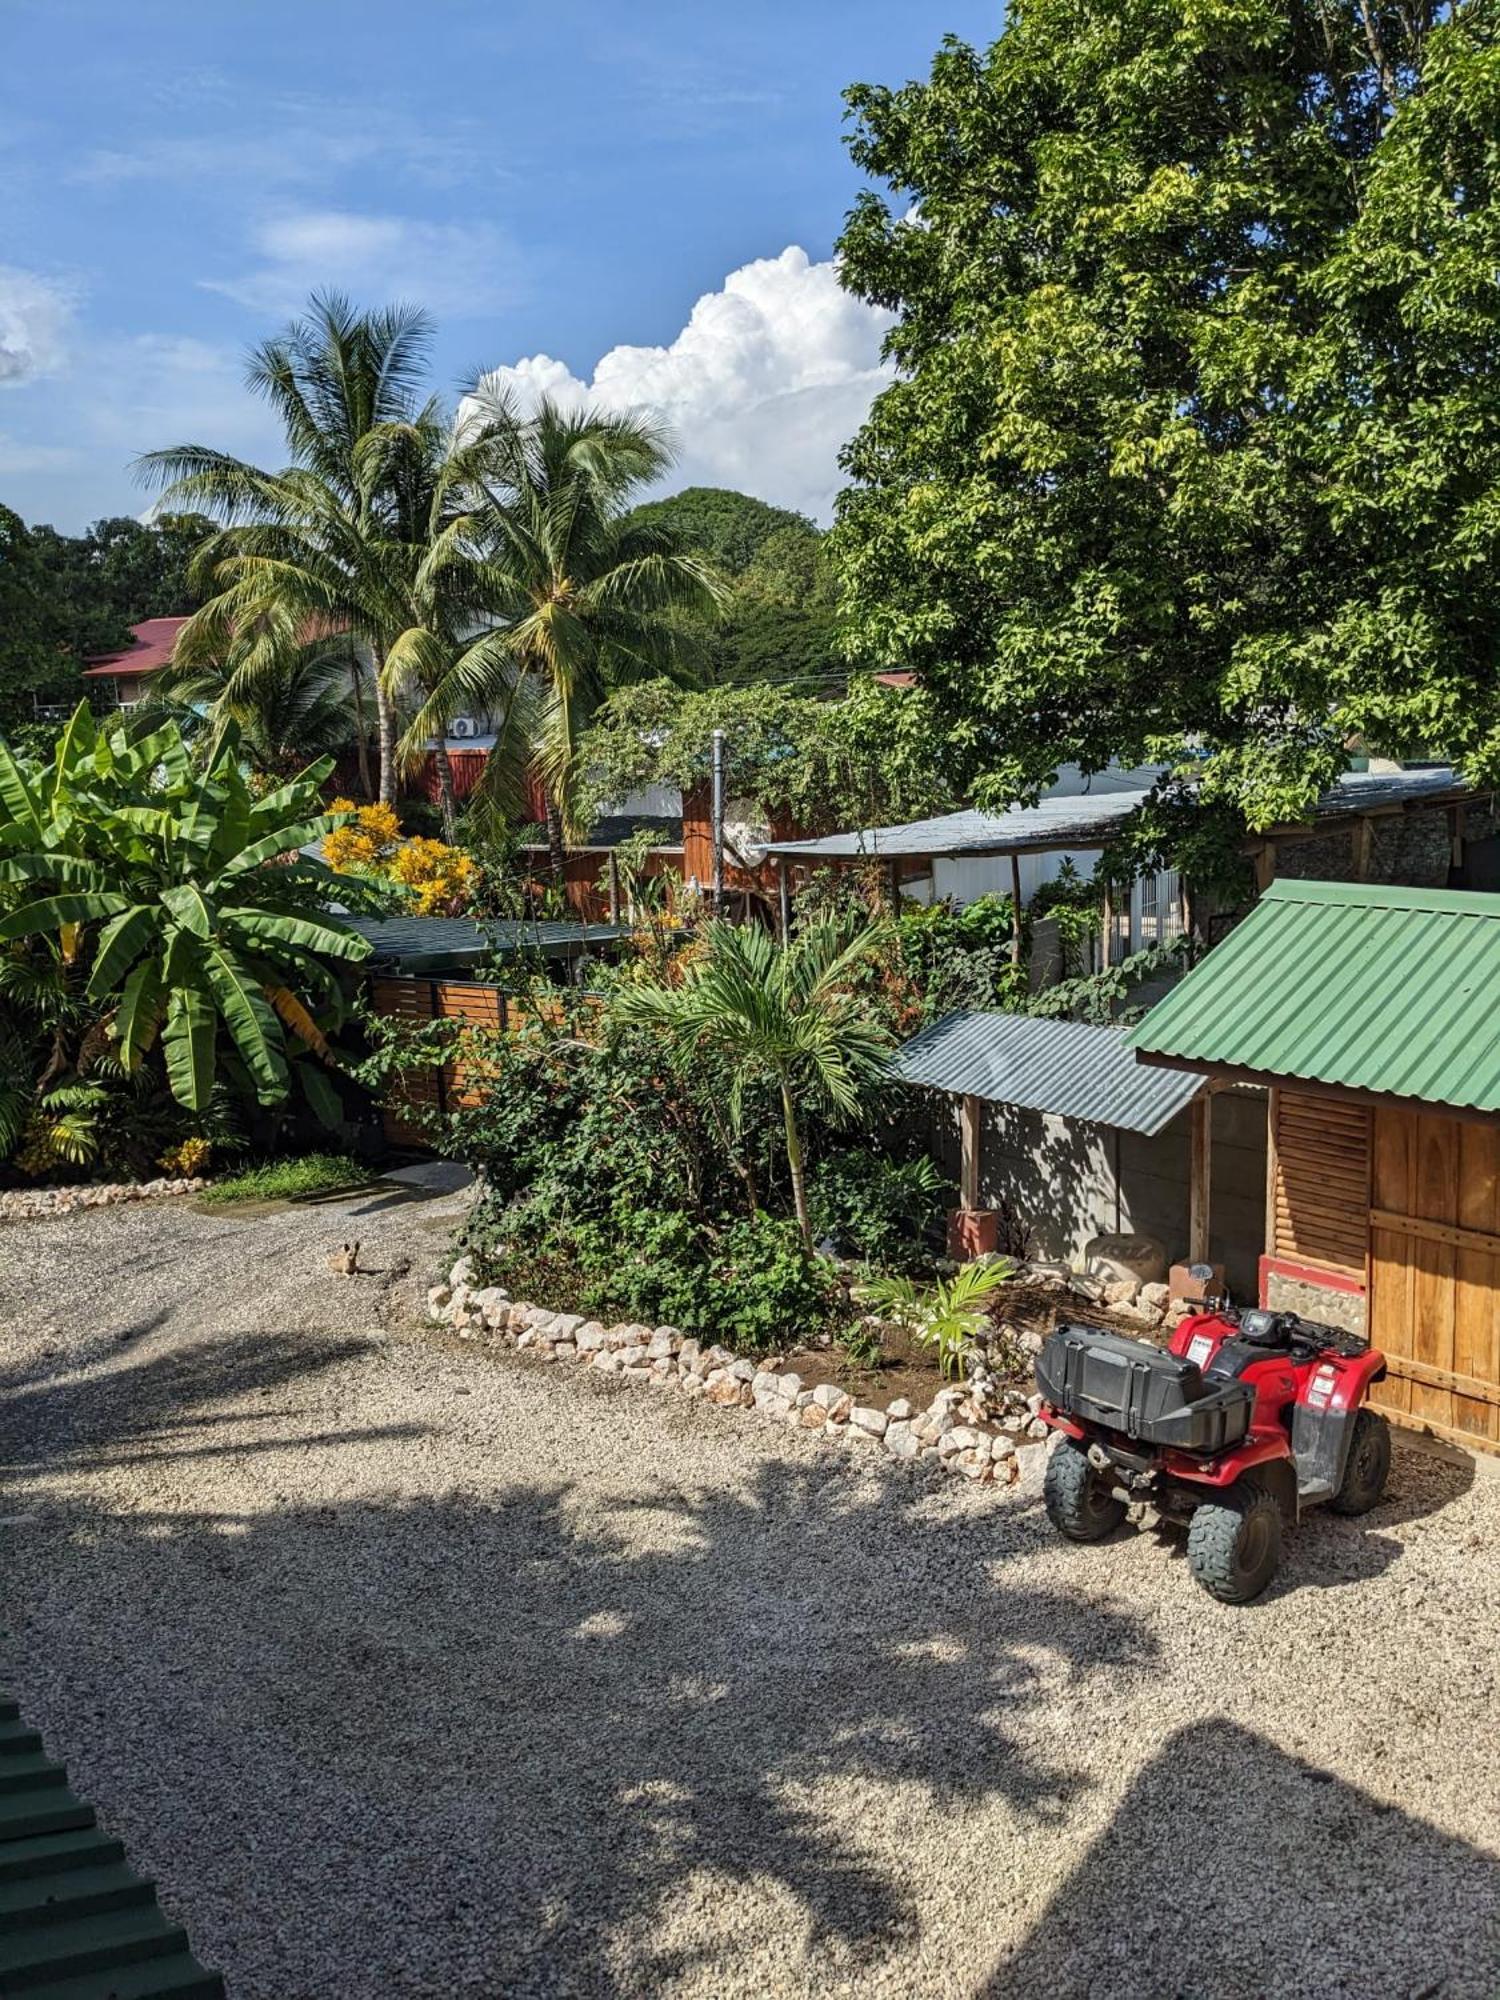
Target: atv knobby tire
1367	1466
1079	1504
1234	1542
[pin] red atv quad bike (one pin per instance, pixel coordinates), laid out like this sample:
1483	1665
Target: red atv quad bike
1247	1419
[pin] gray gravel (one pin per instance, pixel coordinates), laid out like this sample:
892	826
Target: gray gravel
410	1669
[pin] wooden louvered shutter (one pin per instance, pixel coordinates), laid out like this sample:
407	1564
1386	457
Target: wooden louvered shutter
1320	1182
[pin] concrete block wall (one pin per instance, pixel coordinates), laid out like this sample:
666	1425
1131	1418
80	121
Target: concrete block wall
1068	1181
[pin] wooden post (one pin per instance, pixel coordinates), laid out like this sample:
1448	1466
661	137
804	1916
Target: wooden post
893	882
783	899
1273	1105
970	1114
1200	1181
1107	930
614	887
1456	831
1265	866
1015	903
1364	840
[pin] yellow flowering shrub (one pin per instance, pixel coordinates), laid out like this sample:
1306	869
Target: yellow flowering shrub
438	876
366	842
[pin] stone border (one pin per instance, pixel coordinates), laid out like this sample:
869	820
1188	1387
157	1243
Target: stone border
21	1204
954	1434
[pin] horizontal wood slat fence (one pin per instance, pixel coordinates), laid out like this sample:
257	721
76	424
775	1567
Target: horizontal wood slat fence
455	1085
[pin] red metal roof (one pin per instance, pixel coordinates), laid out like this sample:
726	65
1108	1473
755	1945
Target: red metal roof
150	648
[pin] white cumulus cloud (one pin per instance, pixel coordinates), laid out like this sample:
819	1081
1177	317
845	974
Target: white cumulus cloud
770	376
456	270
34	320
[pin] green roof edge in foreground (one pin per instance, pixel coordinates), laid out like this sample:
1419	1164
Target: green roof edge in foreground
1395	992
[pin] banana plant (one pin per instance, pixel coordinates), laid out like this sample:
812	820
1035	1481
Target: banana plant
188	899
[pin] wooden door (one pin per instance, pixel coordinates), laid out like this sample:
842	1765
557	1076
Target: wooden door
1435	1271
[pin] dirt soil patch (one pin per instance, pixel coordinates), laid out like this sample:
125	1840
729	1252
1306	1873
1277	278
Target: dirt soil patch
906	1369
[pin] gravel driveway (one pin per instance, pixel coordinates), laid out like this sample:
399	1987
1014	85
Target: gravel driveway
413	1670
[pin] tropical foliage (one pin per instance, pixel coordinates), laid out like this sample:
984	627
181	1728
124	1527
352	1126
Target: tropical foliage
175	906
1196	430
439	879
950	1316
864	758
580	599
789	1016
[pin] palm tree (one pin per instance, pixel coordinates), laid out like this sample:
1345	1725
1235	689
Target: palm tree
790	1014
578	600
286	711
317	547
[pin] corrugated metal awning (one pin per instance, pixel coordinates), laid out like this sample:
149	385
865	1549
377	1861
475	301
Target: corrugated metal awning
1348	984
1089	820
1064	1067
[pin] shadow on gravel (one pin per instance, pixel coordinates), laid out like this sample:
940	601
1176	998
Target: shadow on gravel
1237	1871
492	1745
96	1411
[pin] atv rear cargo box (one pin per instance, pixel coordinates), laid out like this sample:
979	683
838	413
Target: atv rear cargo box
1147	1394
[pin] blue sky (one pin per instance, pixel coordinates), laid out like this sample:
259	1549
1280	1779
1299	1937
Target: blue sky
636	203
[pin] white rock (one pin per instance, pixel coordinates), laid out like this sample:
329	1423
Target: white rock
692	1386
462	1272
961	1438
829	1396
631	1357
901	1440
566	1325
743	1371
865	1417
590	1337
791	1385
901	1411
663	1344
565	1350
688	1356
1037	1429
1002	1447
605	1360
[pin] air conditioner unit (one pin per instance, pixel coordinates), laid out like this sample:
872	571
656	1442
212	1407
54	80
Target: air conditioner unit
463	725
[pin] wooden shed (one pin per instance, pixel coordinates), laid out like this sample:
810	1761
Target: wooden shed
1371	1014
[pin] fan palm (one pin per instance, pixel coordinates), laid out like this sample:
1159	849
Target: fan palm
789	1014
311	548
577	599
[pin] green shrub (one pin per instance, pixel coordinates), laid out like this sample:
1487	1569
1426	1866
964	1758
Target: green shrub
876	1208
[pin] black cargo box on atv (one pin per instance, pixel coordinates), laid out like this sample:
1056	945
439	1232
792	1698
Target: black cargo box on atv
1142	1391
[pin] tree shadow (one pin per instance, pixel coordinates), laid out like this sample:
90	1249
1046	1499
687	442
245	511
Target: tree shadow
80	1409
1235	1870
541	1742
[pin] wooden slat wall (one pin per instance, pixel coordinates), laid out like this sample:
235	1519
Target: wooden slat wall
456	1086
1435	1271
1320	1184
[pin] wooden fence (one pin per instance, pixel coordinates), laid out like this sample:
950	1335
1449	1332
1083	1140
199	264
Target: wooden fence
448	1086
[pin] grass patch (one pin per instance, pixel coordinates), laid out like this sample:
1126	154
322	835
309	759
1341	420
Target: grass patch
287	1180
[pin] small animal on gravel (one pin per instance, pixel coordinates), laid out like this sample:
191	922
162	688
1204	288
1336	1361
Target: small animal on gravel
344	1262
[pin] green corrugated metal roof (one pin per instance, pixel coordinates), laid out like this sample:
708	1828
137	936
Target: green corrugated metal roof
1390	990
75	1918
1068	1067
458	943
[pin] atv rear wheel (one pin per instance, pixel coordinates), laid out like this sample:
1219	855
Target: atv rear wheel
1234	1542
1079	1504
1366	1468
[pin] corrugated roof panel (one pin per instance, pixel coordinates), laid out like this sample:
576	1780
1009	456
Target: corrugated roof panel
1087	820
1064	1067
458	939
1370	988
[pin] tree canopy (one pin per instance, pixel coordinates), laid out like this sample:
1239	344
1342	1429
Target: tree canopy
779	618
1196	433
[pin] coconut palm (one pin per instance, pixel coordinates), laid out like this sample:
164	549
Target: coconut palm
314	547
791	1014
286	710
578	600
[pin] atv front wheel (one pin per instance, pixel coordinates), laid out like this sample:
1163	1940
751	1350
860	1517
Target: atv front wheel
1079	1504
1367	1466
1234	1542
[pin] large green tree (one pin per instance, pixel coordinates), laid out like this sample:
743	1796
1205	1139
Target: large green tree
1196	432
